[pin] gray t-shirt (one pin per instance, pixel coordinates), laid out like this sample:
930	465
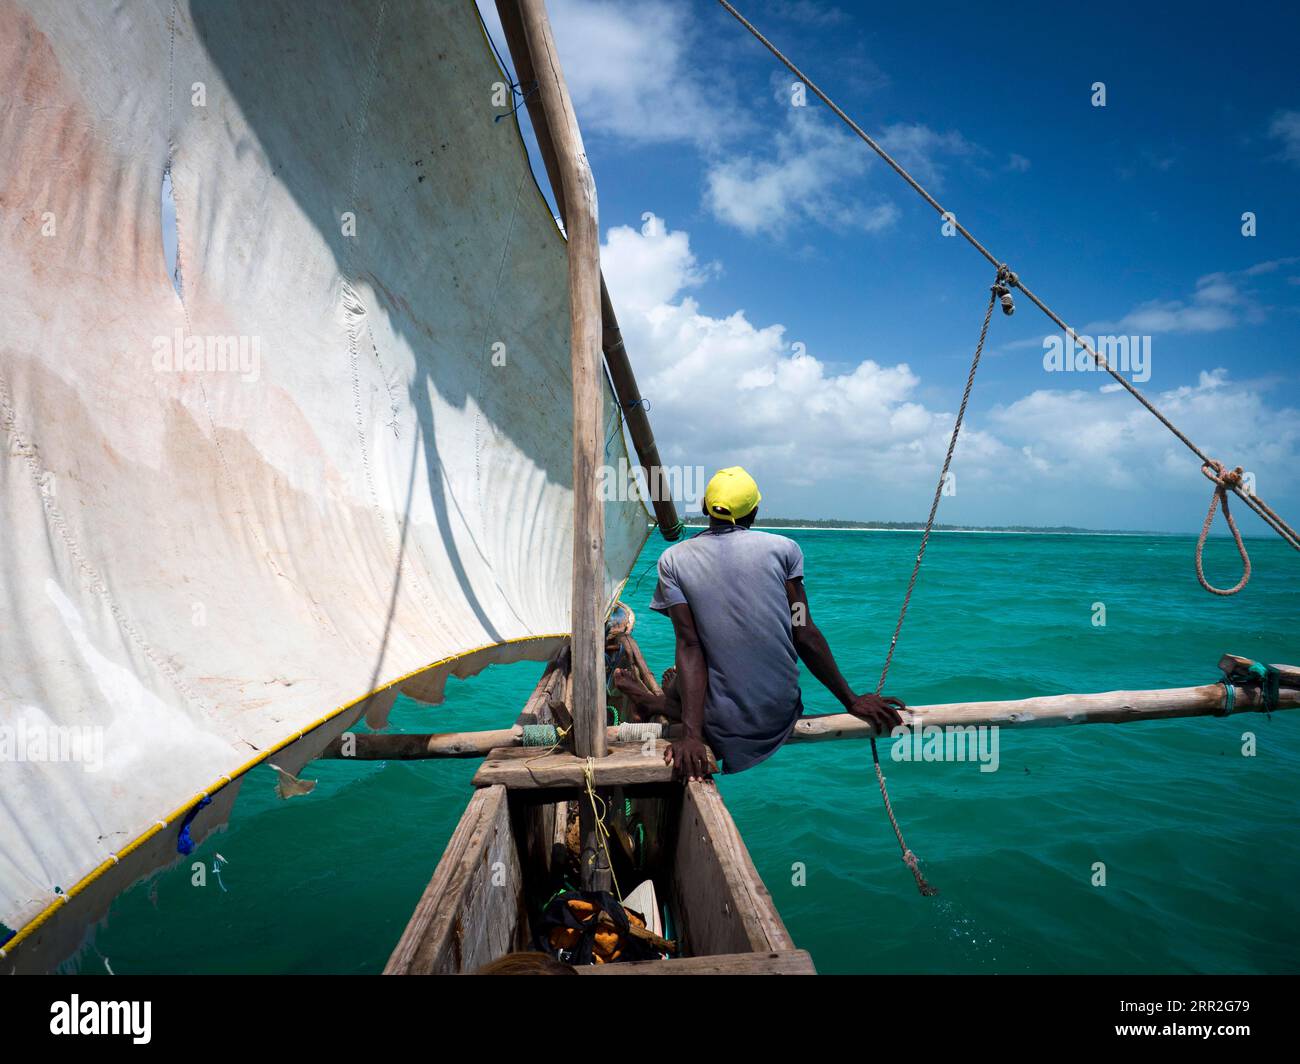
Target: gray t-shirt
734	582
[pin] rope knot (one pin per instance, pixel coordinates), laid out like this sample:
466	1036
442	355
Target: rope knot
1001	288
1226	479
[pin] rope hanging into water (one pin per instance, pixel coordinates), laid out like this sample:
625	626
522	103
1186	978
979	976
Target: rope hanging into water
1261	508
998	291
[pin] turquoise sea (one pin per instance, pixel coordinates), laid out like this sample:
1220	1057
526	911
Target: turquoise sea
1201	845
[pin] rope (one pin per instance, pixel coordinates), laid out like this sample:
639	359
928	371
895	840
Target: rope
638	733
1223	480
516	90
1261	508
1270	688
602	832
540	735
560	733
184	842
997	290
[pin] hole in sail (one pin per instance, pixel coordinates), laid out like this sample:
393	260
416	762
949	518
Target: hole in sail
169	231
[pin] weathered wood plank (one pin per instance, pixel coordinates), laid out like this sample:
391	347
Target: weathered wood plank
464	919
786	962
385	746
1236	667
528	767
720	899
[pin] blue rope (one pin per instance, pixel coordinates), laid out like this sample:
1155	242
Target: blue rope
185	844
642	402
523	96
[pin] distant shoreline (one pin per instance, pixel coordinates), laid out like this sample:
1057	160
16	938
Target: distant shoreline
786	524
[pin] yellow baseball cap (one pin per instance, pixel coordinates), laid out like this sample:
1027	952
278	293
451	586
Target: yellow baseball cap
731	494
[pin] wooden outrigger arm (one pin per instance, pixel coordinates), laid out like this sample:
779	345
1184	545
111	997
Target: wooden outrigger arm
1107	707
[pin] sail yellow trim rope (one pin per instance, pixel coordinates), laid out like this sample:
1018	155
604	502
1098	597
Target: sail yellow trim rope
39	920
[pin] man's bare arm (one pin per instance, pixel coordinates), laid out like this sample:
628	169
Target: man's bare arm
688	755
815	652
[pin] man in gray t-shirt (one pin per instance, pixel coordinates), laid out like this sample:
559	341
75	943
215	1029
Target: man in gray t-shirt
740	613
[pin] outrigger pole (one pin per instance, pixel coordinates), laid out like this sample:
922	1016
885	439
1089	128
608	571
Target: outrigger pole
1240	692
630	401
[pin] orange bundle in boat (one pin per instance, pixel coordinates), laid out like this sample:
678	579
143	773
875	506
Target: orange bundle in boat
590	927
565	938
583	910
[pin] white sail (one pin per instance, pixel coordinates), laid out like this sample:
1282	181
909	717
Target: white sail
335	465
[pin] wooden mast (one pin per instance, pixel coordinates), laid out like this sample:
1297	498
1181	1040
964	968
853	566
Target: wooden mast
583	233
621	373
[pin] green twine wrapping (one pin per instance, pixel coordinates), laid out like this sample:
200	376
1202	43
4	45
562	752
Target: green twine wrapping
540	735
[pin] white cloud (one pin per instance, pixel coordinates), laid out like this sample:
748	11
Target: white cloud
630	72
801	183
651	266
805	178
1101	439
921	150
1285	128
1219	301
728	390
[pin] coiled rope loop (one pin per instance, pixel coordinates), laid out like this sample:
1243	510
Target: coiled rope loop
1224	480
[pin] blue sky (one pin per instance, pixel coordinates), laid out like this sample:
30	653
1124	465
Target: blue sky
737	226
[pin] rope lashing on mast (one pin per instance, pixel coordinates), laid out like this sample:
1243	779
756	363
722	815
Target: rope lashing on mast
1223	479
598	810
1269	516
999	291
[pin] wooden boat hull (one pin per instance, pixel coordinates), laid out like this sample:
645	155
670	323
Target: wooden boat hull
504	859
